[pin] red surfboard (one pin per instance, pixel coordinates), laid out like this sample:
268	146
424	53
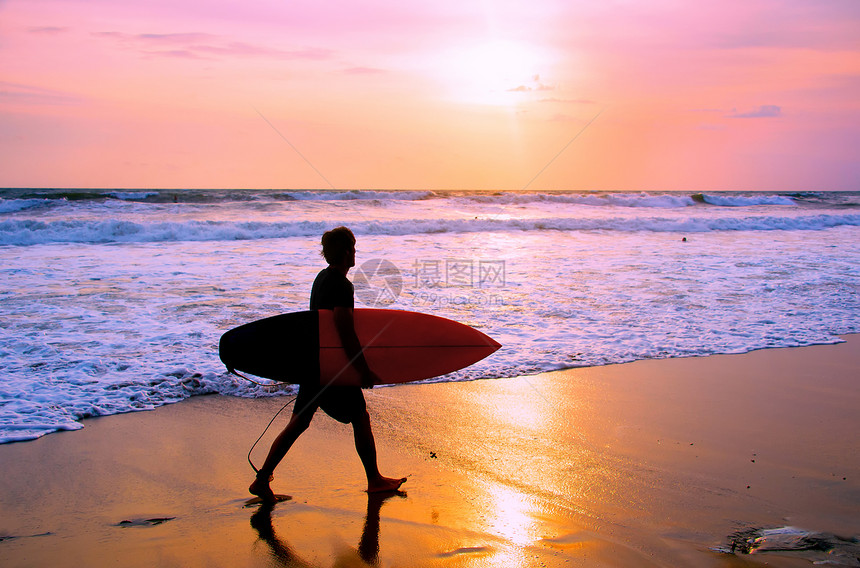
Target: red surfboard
400	346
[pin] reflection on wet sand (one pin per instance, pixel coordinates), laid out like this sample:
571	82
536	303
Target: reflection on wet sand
368	545
533	466
648	464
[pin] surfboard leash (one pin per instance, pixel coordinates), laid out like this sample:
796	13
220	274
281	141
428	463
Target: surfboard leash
269	425
256	470
250	380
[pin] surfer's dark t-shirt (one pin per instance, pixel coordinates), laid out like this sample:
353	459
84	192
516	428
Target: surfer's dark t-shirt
331	289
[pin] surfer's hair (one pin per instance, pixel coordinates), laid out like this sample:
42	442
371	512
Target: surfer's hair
336	244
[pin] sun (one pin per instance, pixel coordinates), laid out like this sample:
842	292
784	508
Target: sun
498	72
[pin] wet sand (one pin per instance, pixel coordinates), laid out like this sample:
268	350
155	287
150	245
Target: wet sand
652	463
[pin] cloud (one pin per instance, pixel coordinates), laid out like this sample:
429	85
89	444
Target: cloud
174	38
193	45
240	49
180	54
17	93
537	86
574	101
47	30
764	111
820	25
364	71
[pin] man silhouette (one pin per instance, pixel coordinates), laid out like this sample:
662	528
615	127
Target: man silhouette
332	290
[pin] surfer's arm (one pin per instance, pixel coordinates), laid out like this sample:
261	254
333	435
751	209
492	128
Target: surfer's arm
345	325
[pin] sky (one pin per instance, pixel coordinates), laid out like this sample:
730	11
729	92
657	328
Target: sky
651	95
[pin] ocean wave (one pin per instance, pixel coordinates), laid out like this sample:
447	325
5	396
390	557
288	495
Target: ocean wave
362	195
30	232
657	201
666	200
14	205
744	200
829	200
132	195
641	199
193	196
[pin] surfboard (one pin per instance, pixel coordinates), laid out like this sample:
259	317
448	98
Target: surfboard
400	346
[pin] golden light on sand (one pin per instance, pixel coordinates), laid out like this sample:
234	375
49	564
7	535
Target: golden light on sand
513	521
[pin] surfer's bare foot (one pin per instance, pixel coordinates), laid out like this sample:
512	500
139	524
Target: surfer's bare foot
261	488
385	484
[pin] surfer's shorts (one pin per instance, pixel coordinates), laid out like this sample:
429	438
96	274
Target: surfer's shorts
344	404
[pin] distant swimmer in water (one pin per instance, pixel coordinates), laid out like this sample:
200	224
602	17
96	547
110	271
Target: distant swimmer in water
332	290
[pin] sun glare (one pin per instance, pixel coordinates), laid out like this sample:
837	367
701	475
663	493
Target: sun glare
497	72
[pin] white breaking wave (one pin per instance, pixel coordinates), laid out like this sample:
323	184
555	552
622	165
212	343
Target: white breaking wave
132	195
593	200
359	195
29	232
13	205
647	200
747	200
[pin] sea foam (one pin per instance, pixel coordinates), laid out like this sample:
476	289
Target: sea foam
32	232
115	304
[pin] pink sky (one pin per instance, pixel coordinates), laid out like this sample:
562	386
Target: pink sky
448	94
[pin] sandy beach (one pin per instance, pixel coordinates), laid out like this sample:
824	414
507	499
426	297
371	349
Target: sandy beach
652	463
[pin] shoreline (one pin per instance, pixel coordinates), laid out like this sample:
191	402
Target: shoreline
649	463
82	421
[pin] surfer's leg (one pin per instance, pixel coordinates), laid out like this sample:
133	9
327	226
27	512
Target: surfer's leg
299	422
365	445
